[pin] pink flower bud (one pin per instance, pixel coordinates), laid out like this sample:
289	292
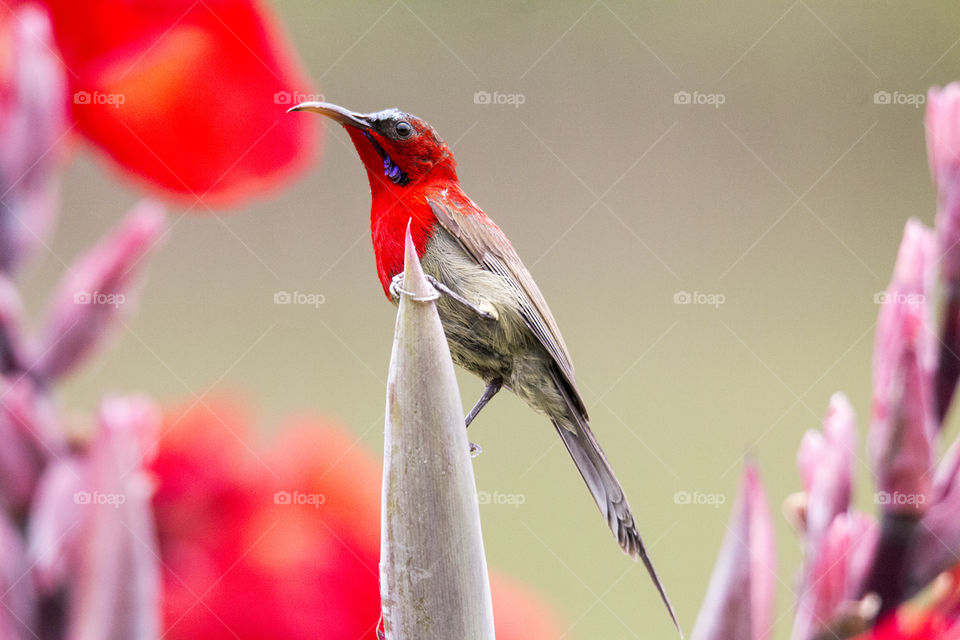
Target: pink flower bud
902	423
115	588
826	465
943	148
53	529
943	151
33	107
95	291
834	576
92	531
17	598
30	438
739	600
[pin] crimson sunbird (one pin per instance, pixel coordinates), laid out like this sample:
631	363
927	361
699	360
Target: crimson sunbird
497	323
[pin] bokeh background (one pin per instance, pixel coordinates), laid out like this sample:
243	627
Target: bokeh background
787	201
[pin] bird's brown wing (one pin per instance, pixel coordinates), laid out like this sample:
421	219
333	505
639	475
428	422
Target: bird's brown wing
488	245
484	241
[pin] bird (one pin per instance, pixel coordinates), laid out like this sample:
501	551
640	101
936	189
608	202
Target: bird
496	320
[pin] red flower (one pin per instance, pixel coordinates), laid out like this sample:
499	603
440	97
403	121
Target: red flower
282	544
188	96
940	619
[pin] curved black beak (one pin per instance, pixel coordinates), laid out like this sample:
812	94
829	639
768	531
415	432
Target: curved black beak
335	112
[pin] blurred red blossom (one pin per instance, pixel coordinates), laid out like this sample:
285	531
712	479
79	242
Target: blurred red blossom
282	542
940	619
189	97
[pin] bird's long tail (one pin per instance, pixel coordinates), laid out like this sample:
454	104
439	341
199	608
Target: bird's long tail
608	494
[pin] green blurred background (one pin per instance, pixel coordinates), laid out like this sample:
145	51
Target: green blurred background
788	199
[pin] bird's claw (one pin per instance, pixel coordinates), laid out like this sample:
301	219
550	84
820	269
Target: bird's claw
395	287
475	450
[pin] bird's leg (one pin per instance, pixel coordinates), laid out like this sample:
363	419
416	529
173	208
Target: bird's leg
396	288
493	386
444	289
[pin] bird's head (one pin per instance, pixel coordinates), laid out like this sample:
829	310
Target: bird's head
399	150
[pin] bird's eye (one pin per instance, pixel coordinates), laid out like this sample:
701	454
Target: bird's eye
403	129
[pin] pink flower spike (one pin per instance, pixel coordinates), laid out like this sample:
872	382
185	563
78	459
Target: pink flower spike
902	422
827	466
834	577
33	114
739	600
97	289
115	588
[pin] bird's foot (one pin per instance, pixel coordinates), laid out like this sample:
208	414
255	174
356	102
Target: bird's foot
475	450
485	311
396	290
